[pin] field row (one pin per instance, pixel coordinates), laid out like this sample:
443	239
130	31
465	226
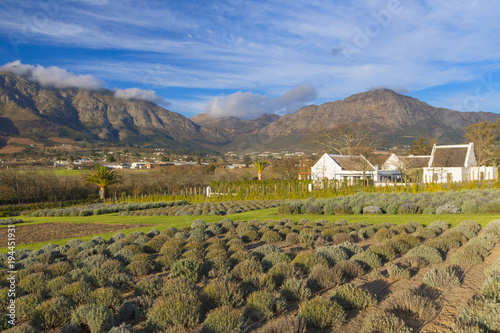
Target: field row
219	277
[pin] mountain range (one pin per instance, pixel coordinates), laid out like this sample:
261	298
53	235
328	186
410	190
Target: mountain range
30	110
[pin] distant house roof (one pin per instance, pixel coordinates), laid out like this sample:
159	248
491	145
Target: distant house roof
415	162
353	163
452	156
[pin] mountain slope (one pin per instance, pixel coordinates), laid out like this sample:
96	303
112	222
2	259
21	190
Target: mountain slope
387	113
27	109
232	126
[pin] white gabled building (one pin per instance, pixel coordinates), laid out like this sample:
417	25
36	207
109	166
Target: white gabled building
456	163
348	168
395	162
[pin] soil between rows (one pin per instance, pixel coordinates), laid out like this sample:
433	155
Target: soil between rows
27	234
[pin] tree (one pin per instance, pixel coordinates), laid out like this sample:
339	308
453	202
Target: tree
484	135
422	146
103	177
344	138
287	168
110	158
247	160
351	139
260	166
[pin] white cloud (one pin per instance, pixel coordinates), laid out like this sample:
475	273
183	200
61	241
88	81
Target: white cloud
248	105
139	94
52	77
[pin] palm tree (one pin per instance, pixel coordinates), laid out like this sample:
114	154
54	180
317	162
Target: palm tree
260	166
103	177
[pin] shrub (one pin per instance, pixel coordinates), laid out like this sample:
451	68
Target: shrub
468	256
491	207
482	315
26	305
367	260
366	232
371	210
151	286
386	252
414	302
321	313
493	269
491	288
307	237
493	227
385	322
134	309
139	268
443	244
292	238
263	304
123	328
294	289
323	277
472	225
349	269
350	297
409	208
384	234
96	317
397	271
333	254
186	268
107	297
487	242
306	260
78	291
265	250
218	293
271	237
350	248
34	283
282	271
223	320
176	310
59	268
442	278
52	313
247	270
273	259
429	254
198	224
447	208
179	285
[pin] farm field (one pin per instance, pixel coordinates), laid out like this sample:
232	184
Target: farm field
163	222
257	271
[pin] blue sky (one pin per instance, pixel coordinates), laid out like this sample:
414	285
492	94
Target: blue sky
246	58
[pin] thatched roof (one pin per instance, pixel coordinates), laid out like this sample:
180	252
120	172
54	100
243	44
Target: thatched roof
415	162
353	163
449	157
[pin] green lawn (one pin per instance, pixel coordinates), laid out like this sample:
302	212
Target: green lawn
163	222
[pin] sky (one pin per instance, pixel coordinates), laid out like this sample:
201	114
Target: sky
245	58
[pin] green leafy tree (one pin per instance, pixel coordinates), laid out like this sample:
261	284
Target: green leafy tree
260	166
247	160
103	177
422	146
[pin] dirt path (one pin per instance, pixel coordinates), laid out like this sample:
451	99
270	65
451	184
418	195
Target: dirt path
453	299
27	234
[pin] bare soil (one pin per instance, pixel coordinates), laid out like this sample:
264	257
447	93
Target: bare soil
28	234
451	300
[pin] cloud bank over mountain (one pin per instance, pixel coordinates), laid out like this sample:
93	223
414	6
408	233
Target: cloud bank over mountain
248	105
